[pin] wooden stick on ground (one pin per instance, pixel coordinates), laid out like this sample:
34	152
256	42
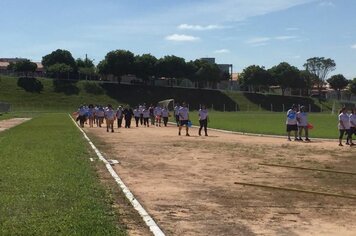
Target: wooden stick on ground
306	168
297	190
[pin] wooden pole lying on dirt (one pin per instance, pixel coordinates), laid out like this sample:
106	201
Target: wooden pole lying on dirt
297	190
306	168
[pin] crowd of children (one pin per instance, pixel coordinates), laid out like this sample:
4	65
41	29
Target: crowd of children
142	114
297	119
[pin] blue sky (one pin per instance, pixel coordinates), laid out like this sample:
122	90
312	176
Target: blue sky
238	32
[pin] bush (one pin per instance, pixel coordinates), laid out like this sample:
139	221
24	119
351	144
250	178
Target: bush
30	84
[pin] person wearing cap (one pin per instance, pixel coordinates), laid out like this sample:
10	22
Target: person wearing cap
291	122
302	123
183	119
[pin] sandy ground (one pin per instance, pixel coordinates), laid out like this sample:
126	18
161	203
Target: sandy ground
188	184
7	124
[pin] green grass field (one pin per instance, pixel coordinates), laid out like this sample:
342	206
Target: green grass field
325	125
48	185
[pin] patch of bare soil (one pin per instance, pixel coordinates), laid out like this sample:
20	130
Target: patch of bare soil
9	123
187	184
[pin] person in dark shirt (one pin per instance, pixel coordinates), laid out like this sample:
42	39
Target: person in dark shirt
128	113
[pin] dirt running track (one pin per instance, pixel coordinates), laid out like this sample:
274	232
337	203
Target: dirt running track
187	184
7	124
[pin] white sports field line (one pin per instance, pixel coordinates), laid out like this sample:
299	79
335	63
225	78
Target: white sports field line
138	207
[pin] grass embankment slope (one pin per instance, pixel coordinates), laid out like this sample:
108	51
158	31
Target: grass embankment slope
48	185
60	97
52	95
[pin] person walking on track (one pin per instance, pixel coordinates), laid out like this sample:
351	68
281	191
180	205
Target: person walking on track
183	119
203	120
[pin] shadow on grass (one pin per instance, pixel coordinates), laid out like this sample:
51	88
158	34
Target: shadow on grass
65	86
30	84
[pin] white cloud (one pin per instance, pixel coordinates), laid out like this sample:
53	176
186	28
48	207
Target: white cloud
353	46
258	40
327	4
221	51
199	27
181	37
285	37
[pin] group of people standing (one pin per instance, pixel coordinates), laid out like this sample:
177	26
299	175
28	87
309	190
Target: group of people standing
143	115
297	121
347	125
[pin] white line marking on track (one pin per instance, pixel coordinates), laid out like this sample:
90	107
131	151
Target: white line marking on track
138	207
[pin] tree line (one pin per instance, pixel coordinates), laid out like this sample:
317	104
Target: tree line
256	78
60	64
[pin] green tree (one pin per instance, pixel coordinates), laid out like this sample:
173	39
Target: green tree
338	82
171	67
207	73
352	86
320	67
60	70
285	75
308	80
117	63
145	66
25	66
254	78
59	57
86	68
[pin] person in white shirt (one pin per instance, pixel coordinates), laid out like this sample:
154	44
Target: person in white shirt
292	122
203	120
146	116
140	109
137	114
110	118
176	113
352	120
120	116
344	125
302	122
82	115
158	114
165	115
183	119
100	114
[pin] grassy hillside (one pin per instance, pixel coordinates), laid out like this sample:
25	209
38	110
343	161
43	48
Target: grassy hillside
51	95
